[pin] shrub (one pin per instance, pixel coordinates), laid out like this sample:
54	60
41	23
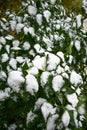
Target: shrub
43	68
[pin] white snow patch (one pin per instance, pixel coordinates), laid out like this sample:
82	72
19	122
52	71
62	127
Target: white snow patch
85	24
51	123
40	63
15	43
39	103
44	77
47	15
4	57
59	69
32	10
78	18
66	118
3	95
19	27
61	55
12	127
15	80
39	19
70	107
13	25
57	83
77	45
9	37
31	31
53	61
33	71
38	48
7	48
81	109
75	114
30	117
47	109
2	40
26	45
53	1
31	84
75	78
72	98
65	75
3	75
26	30
13	63
20	59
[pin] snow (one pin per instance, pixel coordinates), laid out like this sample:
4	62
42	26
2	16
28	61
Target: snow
57	83
59	69
39	19
77	45
32	10
44	77
85	24
30	117
70	107
81	109
26	30
53	1
3	75
85	3
26	45
48	42
72	98
33	71
51	123
61	55
38	48
31	31
12	127
20	59
4	57
13	25
3	95
2	40
66	118
47	15
53	61
19	27
9	37
39	103
31	84
47	109
75	114
13	63
40	63
7	48
78	18
15	43
15	80
75	78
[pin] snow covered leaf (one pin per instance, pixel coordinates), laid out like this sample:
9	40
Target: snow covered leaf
75	78
57	83
32	10
15	80
66	118
31	84
40	63
73	99
47	109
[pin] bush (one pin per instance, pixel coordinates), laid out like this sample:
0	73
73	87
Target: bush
43	68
